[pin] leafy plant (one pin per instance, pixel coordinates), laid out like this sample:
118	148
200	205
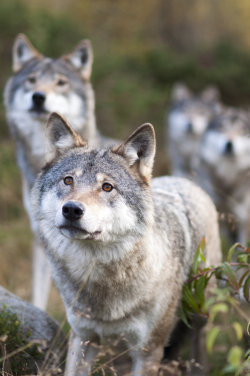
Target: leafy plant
228	324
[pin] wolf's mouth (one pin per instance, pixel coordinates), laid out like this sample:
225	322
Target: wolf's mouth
74	231
38	111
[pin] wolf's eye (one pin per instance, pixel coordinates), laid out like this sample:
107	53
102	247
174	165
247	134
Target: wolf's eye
68	180
107	187
31	79
61	82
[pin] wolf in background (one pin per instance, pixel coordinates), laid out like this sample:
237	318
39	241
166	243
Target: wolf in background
120	246
224	170
39	86
187	120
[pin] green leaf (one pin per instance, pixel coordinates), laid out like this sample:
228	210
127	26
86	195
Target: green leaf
198	257
243	258
244	276
211	337
199	286
231	251
228	369
208	277
247	354
238	330
183	315
235	356
230	274
216	308
188	297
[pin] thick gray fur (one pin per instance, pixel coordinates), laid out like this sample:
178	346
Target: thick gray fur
187	119
121	266
40	85
224	170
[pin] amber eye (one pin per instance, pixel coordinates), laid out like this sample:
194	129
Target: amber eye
107	187
68	180
61	82
31	79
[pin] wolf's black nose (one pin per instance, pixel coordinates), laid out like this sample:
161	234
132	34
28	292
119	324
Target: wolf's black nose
229	148
38	98
72	210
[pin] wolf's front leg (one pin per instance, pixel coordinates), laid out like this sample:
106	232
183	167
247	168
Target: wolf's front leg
41	276
80	357
147	364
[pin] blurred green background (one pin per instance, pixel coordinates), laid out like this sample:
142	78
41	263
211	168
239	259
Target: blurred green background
141	48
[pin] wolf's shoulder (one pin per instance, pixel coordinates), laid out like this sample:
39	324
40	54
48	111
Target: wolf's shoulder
183	197
167	188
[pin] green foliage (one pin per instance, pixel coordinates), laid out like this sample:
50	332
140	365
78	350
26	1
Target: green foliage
227	320
16	349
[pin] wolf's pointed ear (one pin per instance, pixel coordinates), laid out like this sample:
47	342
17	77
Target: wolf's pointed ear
180	92
139	150
82	58
23	51
61	136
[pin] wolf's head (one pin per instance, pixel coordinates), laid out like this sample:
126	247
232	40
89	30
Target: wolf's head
42	85
94	195
226	144
190	114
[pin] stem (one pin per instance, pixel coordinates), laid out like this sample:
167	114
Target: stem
213	269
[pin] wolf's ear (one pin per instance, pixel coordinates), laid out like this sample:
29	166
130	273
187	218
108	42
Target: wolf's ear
82	58
139	150
61	136
23	51
180	92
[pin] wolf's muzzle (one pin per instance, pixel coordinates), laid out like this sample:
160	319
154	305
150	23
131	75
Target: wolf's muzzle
73	210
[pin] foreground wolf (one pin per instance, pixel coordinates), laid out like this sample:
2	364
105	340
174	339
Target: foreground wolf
39	86
187	120
119	245
225	167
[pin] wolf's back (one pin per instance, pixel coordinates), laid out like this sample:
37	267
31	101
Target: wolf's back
187	214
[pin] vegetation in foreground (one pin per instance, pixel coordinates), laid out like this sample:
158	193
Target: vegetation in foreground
227	332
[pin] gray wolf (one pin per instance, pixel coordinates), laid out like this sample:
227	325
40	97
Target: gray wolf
187	119
120	245
225	167
39	86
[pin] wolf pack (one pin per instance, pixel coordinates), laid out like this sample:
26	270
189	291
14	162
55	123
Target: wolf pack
119	244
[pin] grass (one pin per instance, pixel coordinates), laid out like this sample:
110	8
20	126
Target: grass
25	354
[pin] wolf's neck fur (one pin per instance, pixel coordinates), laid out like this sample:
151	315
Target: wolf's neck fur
78	255
94	273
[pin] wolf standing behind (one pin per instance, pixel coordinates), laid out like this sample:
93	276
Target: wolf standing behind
39	86
187	121
225	167
119	245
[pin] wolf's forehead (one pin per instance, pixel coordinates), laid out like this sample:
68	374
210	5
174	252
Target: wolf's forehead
198	106
193	105
93	164
47	67
235	122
